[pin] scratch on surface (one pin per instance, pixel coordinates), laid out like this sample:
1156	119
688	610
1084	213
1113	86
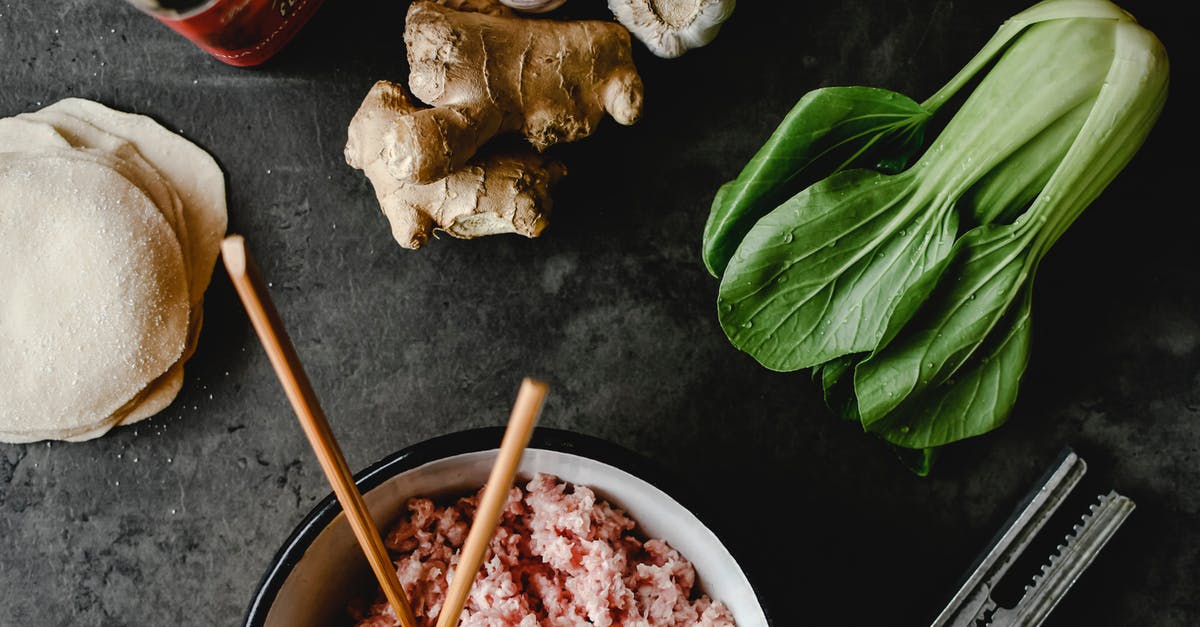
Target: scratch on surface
182	499
317	123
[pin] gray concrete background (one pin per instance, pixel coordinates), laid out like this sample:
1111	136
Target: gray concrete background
174	520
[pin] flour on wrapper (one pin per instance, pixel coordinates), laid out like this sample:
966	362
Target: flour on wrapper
200	183
189	169
84	135
41	130
154	398
77	123
94	260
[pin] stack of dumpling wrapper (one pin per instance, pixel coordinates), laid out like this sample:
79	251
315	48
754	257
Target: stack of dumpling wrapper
110	226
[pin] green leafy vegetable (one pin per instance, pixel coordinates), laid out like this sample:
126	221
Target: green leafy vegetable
829	130
836	378
909	293
953	372
974	401
819	277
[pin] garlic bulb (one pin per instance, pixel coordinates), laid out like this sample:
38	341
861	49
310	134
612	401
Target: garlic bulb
670	28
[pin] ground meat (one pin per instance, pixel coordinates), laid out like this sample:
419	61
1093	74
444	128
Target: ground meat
560	557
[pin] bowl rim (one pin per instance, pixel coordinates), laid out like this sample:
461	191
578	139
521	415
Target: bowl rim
470	441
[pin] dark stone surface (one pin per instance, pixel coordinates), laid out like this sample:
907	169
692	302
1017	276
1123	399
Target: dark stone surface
174	520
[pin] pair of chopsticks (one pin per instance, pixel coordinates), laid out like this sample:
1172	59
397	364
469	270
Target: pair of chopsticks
269	327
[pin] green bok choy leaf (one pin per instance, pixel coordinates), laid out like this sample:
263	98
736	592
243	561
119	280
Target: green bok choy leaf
909	292
829	130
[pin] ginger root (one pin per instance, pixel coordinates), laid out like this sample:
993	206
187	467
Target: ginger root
500	193
550	80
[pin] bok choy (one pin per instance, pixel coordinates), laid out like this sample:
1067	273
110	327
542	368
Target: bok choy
901	273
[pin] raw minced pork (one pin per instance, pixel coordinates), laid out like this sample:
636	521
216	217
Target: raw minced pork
559	557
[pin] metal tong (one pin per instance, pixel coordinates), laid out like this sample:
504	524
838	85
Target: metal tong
973	606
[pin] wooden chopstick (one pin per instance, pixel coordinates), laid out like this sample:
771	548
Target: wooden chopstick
495	495
269	326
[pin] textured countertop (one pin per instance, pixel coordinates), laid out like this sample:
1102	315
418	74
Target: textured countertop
174	520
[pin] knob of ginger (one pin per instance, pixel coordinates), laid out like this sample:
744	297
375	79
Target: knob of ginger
549	80
499	193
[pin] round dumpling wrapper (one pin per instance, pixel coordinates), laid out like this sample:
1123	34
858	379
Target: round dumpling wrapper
95	301
188	168
117	153
122	156
32	133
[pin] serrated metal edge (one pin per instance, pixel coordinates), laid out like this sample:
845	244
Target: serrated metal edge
1067	563
973	599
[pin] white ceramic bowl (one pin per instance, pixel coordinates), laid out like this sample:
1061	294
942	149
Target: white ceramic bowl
320	567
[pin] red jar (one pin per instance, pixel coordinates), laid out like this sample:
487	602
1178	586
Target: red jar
238	32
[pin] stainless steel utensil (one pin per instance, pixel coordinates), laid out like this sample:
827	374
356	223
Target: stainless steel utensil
973	605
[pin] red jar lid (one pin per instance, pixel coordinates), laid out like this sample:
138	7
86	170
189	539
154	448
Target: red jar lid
238	32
